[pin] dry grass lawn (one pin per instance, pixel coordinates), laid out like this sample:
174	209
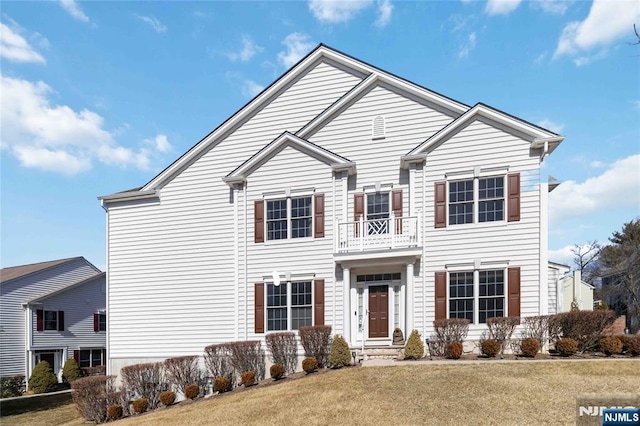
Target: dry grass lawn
481	393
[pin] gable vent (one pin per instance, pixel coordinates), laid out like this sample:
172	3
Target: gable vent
378	127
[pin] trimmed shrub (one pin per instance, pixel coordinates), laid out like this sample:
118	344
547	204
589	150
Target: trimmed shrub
248	378
167	398
585	327
93	395
191	391
309	364
447	331
316	341
501	329
490	347
536	328
627	342
610	346
248	356
283	349
530	347
99	370
339	355
11	386
634	345
276	371
566	346
71	371
454	350
217	360
144	381
221	384
140	405
42	378
414	349
182	371
114	412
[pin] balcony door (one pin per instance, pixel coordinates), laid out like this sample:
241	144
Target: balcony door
378	311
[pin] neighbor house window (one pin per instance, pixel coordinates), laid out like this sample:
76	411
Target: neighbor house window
378	213
476	200
289	301
289	218
90	358
102	322
487	295
51	320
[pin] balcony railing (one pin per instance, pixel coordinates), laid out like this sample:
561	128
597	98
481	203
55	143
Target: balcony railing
389	233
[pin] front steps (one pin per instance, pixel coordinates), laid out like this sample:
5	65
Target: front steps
378	352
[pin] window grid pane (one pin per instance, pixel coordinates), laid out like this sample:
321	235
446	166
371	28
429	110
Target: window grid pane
461	202
102	322
277	219
276	307
50	320
301	312
491	196
491	289
378	208
461	295
301	217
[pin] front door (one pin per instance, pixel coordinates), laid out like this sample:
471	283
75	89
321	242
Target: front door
50	358
378	311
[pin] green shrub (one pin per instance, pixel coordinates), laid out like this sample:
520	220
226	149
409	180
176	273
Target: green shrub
191	391
248	378
309	364
42	378
222	384
530	347
414	348
71	371
454	350
610	346
276	371
140	405
11	386
566	346
490	347
167	398
339	355
316	341
114	412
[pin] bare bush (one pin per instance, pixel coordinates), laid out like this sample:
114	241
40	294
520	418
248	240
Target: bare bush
248	356
144	381
182	371
284	350
501	329
316	341
585	327
536	328
217	359
93	395
447	331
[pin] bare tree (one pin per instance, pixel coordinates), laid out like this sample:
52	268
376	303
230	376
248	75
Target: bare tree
585	257
635	30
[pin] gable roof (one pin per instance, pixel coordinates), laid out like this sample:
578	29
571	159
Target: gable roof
287	139
14	272
541	138
68	287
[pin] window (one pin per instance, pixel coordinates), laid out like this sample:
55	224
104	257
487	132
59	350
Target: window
476	200
90	358
487	295
289	213
51	320
102	322
491	291
461	295
378	213
281	306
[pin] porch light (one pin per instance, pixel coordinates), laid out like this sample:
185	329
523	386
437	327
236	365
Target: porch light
275	275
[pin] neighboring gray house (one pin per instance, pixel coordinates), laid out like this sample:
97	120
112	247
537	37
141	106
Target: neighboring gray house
52	311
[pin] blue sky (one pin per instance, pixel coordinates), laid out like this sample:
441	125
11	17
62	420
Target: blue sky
99	97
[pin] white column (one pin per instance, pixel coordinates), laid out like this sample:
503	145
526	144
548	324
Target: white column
346	304
412	189
544	250
409	306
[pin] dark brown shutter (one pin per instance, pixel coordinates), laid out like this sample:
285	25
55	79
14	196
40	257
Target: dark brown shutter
513	276
440	204
40	320
441	295
76	356
358	210
513	201
96	322
396	206
258	317
258	221
60	320
318	215
318	302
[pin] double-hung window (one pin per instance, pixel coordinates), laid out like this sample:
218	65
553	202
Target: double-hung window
289	218
481	291
477	200
491	294
378	213
91	358
50	320
289	305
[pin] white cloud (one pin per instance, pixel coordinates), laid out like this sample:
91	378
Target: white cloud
13	47
55	137
597	164
551	125
554	7
249	50
607	22
335	11
160	143
636	104
250	88
74	10
562	255
617	187
501	7
468	46
385	9
297	45
153	22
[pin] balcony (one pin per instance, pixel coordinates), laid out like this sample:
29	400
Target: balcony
378	234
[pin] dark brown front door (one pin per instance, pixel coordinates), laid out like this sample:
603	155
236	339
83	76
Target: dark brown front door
378	311
49	358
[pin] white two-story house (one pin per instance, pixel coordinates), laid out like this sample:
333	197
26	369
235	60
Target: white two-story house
340	195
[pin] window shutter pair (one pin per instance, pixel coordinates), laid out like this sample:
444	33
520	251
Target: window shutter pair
318	218
513	201
40	320
513	293
259	305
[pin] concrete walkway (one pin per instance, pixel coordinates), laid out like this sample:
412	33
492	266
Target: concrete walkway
440	361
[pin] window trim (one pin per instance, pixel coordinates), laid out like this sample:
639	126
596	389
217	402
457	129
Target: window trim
476	269
475	216
289	306
90	350
288	196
